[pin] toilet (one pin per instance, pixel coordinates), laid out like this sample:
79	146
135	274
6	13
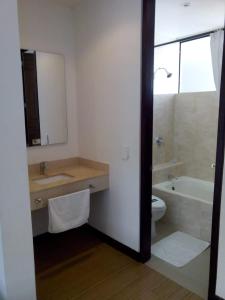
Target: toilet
158	211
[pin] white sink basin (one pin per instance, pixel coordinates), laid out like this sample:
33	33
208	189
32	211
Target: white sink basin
51	179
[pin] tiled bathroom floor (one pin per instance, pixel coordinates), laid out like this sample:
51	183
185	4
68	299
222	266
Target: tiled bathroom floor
193	276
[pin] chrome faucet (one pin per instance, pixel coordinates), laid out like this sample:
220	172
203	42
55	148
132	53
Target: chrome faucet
43	167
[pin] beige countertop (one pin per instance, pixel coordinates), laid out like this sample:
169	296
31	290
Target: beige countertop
78	169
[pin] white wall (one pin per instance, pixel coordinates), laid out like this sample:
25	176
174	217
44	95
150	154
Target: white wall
49	27
108	39
17	280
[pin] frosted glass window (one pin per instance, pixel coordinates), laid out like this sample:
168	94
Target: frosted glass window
166	57
196	74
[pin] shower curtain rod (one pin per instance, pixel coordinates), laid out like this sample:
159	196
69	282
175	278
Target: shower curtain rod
190	38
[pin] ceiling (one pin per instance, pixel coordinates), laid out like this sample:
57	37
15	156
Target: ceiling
174	21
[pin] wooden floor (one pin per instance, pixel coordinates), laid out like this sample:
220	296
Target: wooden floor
77	265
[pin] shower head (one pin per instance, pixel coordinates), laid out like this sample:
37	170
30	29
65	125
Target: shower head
168	74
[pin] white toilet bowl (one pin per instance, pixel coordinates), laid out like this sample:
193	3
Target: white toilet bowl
158	211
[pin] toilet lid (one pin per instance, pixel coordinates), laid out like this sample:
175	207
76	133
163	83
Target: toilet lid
157	203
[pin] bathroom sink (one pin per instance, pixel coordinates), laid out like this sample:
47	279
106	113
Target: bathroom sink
52	179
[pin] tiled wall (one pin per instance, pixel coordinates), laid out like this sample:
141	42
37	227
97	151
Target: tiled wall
188	124
163	127
195	132
161	172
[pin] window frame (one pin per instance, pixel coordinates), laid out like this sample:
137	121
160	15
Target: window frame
182	41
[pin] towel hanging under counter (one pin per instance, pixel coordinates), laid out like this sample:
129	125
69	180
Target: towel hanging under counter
68	211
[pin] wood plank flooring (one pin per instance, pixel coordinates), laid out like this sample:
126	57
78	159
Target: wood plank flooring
77	265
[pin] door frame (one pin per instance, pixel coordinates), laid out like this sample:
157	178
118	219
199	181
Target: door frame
147	84
218	187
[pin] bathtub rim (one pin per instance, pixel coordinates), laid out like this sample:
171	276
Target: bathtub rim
160	187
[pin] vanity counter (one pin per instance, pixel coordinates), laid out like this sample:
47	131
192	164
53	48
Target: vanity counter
79	173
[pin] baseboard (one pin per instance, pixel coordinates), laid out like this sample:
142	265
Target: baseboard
108	240
119	246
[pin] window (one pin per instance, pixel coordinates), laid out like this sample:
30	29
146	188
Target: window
189	62
196	73
166	60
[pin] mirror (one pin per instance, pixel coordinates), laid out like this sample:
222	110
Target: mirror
44	98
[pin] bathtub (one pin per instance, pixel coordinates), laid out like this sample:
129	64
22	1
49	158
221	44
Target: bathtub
189	205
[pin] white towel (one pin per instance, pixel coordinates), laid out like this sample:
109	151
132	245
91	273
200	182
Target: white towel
69	211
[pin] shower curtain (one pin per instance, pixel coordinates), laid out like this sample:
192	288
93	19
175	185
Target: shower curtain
217	39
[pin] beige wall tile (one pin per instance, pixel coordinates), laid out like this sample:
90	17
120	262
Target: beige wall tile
163	127
188	124
195	132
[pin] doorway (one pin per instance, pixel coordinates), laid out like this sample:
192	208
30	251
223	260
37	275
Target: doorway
149	9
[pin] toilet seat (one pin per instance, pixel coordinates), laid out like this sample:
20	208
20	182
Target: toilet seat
159	204
158	211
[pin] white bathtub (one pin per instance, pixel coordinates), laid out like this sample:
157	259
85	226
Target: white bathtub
189	204
195	188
